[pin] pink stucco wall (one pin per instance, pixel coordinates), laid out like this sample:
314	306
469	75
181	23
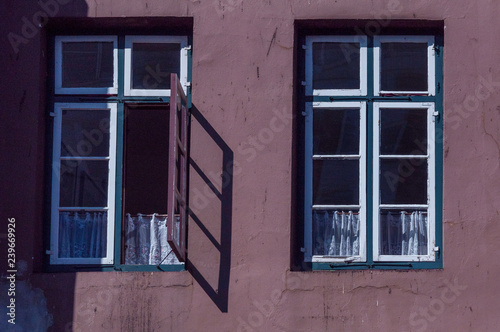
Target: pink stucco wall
242	84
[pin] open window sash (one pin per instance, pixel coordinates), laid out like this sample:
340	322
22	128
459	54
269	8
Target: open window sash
177	171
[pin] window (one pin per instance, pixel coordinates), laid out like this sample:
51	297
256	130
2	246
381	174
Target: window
372	168
119	154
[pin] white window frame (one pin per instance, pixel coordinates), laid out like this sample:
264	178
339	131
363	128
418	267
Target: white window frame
431	183
130	40
431	62
308	204
56	158
59	89
363	65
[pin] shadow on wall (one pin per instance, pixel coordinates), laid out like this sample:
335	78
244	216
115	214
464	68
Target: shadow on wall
210	210
42	301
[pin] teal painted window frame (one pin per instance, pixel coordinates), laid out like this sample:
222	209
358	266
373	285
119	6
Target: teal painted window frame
118	101
307	98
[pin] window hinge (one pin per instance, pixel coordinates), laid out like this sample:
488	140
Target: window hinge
52	114
436	115
188	48
304	83
303	249
188	84
304	113
49	252
436	49
436	249
304	47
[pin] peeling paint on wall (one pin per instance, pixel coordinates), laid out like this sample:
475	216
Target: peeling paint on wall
31	314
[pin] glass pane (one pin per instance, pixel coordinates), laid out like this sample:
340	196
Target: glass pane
84	183
85	133
152	64
403	181
87	64
336	182
403	131
403	67
82	234
403	232
336	233
336	131
336	65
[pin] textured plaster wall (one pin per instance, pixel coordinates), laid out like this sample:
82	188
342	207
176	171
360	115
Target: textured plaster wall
243	91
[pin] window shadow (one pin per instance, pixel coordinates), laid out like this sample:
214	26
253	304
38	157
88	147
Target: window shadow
210	210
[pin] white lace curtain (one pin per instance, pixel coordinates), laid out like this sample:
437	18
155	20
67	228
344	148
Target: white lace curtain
335	233
406	233
146	240
82	234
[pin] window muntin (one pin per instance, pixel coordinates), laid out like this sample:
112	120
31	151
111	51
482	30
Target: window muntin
86	65
336	65
83	194
404	65
330	193
149	61
404	190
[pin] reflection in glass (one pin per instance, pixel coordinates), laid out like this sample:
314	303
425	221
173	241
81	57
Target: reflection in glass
87	64
403	181
403	232
403	67
336	131
85	133
336	182
84	183
152	64
336	65
403	131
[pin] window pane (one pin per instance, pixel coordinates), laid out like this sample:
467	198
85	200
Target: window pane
336	182
82	234
152	64
336	65
403	232
403	131
336	233
403	67
87	64
336	131
85	133
403	181
84	183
